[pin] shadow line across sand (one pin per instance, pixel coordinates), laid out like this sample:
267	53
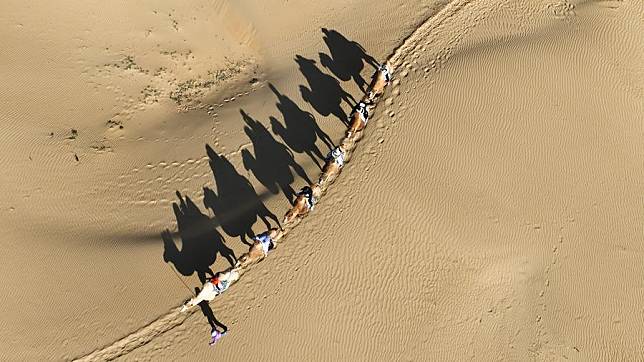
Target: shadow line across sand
235	203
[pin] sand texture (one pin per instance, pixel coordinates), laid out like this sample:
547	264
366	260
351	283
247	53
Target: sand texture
492	210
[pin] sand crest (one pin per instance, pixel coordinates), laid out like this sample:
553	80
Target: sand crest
491	211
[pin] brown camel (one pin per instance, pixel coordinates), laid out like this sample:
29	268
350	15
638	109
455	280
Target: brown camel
258	251
358	118
333	166
305	201
379	81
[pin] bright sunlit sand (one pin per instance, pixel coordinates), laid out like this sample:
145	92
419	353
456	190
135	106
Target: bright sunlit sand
488	205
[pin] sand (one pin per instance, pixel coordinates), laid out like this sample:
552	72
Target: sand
492	211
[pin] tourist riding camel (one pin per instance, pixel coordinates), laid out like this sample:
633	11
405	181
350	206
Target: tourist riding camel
358	119
333	166
379	81
213	287
305	201
258	251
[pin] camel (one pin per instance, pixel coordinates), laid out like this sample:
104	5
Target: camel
213	287
358	118
333	166
379	81
258	251
305	201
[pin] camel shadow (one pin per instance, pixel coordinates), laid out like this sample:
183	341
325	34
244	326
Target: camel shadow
346	59
300	130
235	203
272	162
324	92
200	241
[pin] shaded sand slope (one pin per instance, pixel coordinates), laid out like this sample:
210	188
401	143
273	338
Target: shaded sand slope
500	217
146	87
117	75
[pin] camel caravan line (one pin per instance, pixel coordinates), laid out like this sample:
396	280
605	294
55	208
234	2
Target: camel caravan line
306	199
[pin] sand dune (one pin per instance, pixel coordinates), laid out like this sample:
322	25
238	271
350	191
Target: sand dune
491	212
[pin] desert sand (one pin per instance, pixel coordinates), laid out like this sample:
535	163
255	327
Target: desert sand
493	209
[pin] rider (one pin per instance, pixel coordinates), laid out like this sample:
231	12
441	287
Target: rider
307	192
362	110
219	284
265	240
385	72
337	156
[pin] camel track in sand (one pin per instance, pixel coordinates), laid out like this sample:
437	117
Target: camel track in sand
403	56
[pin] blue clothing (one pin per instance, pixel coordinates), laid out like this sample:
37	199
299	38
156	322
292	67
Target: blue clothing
265	240
221	286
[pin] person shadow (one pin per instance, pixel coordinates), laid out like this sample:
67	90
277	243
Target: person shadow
235	204
200	241
210	315
300	130
324	93
272	162
347	58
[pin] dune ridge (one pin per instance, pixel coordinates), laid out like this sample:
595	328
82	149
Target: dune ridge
175	317
492	212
